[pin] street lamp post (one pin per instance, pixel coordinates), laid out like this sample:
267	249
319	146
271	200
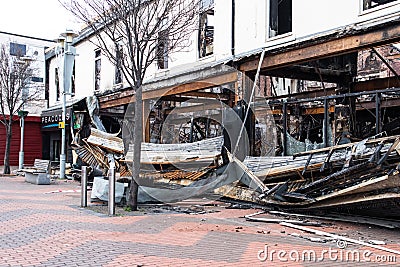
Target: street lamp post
22	114
21	146
68	60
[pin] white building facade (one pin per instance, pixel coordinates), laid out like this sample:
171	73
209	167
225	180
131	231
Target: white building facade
34	49
228	30
233	28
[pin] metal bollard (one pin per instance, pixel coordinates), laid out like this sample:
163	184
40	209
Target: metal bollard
84	186
111	192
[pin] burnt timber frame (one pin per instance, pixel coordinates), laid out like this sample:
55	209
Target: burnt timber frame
318	49
287	59
323	47
296	61
179	90
294	58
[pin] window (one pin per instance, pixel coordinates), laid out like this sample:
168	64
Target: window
206	40
206	4
118	64
57	81
206	28
73	79
162	50
368	4
280	17
97	69
56	150
47	83
37	79
18	50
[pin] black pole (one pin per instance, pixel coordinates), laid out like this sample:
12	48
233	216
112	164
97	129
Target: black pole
191	130
233	28
111	191
326	122
378	116
284	121
84	179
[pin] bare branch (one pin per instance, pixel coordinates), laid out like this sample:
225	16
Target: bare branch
136	26
15	77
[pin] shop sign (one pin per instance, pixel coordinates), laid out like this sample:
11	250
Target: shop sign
52	118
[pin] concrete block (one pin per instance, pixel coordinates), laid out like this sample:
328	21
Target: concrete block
37	178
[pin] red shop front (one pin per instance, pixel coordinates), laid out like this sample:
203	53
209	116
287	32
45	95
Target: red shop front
32	140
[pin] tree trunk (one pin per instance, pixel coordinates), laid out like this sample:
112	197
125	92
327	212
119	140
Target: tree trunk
138	137
7	150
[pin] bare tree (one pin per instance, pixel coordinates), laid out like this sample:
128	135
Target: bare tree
15	76
134	34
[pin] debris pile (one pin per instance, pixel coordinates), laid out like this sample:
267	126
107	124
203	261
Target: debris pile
352	174
361	176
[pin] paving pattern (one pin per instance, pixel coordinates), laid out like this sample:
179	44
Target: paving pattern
39	228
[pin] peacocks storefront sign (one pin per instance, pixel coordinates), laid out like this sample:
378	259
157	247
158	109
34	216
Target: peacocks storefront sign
51	119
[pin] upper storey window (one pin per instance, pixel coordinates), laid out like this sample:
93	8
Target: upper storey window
280	17
162	50
206	28
97	69
18	50
118	64
368	4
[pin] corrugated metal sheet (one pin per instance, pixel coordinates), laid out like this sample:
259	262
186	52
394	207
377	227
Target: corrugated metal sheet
92	155
205	150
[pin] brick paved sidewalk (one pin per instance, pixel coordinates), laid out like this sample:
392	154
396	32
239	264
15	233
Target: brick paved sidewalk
50	229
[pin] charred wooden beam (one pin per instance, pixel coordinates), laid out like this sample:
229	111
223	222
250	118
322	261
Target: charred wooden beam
390	150
207	95
195	108
375	84
319	183
307	163
357	87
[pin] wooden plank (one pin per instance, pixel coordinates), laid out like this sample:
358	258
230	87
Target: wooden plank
379	183
391	224
306	95
361	86
375	84
358	200
207	95
317	110
335	47
386	103
105	140
196	108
